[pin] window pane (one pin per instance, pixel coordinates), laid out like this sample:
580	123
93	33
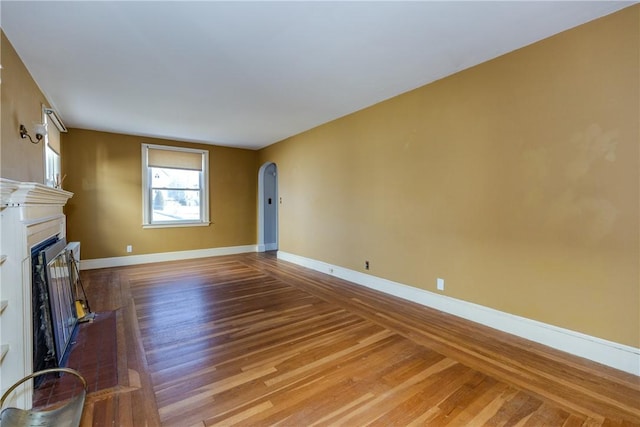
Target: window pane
174	178
52	167
175	205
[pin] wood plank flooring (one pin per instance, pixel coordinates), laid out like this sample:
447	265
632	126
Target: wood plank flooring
251	340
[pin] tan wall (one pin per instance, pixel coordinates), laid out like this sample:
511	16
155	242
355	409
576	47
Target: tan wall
104	173
516	181
22	102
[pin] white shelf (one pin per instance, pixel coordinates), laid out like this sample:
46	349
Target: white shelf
4	349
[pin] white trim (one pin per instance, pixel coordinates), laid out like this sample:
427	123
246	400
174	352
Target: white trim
90	264
619	356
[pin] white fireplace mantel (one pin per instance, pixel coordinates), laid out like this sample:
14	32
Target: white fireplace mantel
29	214
16	194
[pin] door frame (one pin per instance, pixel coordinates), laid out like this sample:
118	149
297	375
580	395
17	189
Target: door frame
262	247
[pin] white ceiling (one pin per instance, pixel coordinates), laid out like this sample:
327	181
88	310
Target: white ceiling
249	74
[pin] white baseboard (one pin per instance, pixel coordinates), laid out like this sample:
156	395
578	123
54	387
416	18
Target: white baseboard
267	247
615	355
90	264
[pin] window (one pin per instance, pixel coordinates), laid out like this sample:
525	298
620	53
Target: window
52	153
52	167
174	186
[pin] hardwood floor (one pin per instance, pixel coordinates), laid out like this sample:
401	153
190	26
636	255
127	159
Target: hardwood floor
250	340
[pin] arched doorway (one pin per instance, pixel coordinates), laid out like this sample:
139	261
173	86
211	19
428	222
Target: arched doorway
268	207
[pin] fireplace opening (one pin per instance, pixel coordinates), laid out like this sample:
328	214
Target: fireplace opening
53	304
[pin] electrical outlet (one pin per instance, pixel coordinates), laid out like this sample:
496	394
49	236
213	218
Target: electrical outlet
366	265
440	284
129	248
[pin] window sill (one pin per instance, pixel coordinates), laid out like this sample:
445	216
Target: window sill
180	224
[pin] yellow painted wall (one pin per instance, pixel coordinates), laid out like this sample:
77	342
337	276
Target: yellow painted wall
517	181
104	171
21	102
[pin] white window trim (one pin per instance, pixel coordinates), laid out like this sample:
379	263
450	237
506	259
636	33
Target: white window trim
146	189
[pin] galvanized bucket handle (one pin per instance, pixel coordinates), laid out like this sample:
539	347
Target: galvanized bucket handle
39	373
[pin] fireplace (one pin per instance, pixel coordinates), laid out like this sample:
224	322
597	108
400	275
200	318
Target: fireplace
30	214
54	316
